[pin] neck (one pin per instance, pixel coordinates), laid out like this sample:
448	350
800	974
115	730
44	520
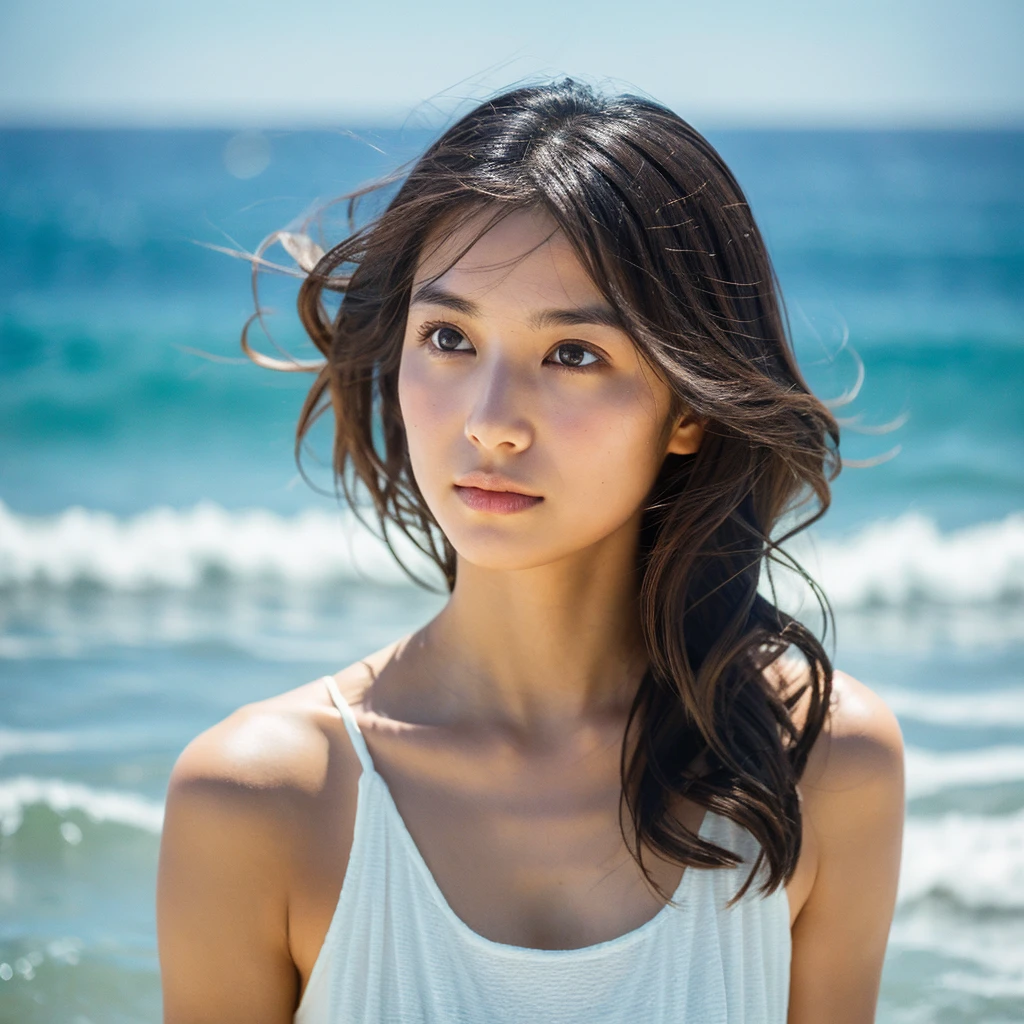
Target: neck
535	649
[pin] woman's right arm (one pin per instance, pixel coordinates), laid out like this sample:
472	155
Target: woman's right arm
233	803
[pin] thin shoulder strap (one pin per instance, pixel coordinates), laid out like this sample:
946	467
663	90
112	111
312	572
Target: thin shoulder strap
355	734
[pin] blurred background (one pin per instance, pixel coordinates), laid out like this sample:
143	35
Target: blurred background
161	563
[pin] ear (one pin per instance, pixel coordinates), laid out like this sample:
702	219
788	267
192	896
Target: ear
686	436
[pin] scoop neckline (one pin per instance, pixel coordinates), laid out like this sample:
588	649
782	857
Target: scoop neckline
508	949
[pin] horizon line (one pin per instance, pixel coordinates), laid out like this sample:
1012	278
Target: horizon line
389	120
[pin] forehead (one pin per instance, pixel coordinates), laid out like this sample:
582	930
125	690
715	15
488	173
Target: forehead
524	252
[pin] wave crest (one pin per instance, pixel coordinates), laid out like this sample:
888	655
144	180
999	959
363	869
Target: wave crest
896	563
21	792
908	561
164	548
975	860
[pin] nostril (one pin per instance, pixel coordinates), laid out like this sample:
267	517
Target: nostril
493	434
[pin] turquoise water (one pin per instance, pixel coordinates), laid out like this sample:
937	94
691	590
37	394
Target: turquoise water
160	564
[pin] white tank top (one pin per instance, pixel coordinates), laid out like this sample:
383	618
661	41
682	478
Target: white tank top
396	953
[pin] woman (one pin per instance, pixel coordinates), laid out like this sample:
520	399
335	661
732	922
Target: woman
610	780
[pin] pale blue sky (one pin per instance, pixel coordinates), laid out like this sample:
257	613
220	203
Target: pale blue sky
830	62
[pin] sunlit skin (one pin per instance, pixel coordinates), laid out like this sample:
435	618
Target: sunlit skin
498	725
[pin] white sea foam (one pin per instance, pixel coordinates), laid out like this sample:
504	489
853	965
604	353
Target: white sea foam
126	808
908	561
985	708
20	742
930	772
898	563
986	950
35	741
977	860
166	548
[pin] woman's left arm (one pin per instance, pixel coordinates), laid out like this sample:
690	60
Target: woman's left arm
853	804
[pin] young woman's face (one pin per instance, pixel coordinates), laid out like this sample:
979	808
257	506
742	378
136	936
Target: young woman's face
535	428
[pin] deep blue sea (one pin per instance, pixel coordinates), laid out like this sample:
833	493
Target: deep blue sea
161	562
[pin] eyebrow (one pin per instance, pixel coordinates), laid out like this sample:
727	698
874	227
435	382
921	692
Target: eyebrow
601	315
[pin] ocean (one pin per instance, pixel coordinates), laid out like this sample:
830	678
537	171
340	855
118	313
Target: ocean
162	563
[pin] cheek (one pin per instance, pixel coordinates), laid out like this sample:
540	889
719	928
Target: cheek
609	437
428	415
413	397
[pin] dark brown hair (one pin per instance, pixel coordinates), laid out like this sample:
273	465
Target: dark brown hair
667	236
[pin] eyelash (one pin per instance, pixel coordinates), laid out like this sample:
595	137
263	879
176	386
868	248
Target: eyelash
427	329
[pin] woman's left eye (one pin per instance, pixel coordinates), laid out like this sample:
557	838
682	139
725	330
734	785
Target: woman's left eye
573	356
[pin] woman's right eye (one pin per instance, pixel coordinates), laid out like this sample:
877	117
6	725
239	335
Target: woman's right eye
448	339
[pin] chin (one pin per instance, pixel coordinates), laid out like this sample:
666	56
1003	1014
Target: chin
504	554
497	550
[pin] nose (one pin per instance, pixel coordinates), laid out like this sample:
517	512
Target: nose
497	417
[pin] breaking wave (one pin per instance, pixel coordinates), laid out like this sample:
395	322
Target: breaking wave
978	861
897	563
22	792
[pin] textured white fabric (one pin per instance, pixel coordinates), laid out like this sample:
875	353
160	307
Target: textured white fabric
396	953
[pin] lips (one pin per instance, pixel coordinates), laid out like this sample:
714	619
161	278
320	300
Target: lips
481	499
480	480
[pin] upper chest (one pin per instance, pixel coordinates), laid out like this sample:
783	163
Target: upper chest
526	851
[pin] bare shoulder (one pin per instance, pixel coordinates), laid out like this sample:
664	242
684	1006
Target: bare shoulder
274	750
268	747
245	791
861	746
861	742
259	814
272	755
